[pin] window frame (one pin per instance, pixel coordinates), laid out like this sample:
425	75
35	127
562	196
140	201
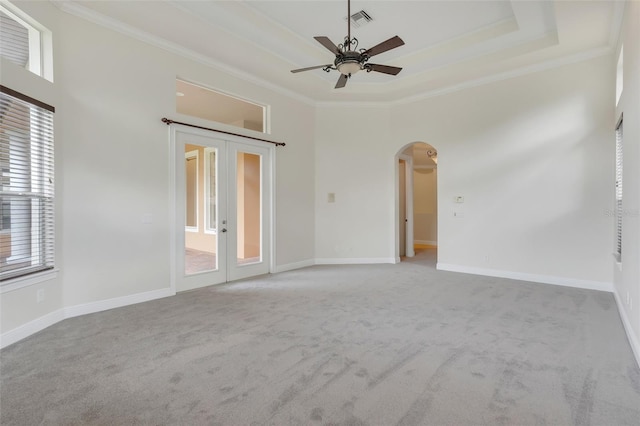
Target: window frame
222	97
40	41
620	75
618	188
35	188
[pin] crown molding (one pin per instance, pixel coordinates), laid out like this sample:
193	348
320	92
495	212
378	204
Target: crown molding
354	104
82	12
519	72
494	78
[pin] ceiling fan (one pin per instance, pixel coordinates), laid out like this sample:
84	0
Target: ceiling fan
349	60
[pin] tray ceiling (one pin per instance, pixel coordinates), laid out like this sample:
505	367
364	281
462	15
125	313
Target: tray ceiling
448	44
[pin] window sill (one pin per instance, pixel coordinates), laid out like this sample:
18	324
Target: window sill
21	282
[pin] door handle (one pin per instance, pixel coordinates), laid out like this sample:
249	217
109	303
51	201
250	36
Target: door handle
224	229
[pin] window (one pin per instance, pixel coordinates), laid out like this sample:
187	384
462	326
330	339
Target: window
191	165
26	191
619	211
620	75
198	101
25	42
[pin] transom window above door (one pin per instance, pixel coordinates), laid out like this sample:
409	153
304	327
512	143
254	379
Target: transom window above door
201	102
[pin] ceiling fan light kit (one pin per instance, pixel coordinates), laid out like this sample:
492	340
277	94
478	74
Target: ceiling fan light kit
348	66
349	59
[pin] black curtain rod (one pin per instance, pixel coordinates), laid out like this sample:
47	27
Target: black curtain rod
168	122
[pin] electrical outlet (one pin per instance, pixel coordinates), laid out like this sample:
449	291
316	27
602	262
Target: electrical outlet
331	197
40	295
486	258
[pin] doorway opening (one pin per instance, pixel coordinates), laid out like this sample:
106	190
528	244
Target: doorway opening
417	203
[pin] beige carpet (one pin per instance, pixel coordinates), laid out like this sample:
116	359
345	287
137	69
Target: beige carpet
334	345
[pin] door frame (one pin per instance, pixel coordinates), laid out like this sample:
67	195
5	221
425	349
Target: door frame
269	202
410	252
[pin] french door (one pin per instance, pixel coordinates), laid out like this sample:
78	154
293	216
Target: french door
222	199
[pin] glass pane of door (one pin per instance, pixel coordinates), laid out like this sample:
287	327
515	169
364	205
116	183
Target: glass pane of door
249	208
201	226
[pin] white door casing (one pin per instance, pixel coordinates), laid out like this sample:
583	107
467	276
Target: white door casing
408	204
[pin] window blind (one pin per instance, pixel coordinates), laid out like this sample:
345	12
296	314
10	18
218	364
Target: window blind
26	185
14	40
619	211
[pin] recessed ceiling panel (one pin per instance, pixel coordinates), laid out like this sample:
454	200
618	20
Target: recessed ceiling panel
421	24
448	44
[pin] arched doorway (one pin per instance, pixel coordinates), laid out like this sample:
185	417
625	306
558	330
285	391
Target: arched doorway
416	200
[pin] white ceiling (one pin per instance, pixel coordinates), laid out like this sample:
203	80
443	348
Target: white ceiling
448	44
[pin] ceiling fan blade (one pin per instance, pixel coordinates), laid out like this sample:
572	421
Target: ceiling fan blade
310	68
342	81
385	69
392	43
328	44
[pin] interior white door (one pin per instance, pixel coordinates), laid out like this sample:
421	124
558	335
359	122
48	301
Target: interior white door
222	209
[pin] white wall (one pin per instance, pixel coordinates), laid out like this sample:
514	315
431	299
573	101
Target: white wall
532	158
531	155
355	161
627	277
112	164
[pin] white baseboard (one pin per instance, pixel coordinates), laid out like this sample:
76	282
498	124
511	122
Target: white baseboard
116	302
355	260
38	324
426	242
544	279
634	342
294	265
32	327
